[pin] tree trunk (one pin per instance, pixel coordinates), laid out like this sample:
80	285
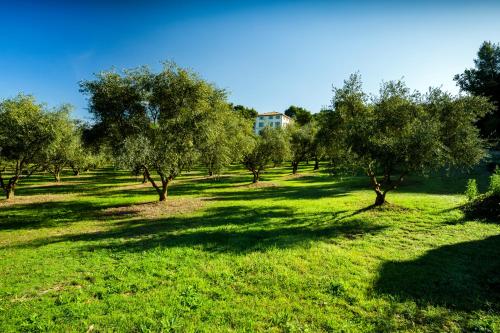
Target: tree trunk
76	172
163	192
255	177
295	166
9	193
57	176
380	200
210	173
316	164
144	178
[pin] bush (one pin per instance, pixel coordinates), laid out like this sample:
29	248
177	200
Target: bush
484	206
494	187
471	192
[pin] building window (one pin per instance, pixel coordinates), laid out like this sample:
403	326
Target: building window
261	124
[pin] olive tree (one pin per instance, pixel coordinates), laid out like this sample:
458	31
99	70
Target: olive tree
174	110
301	143
25	132
83	158
118	105
224	138
65	144
400	132
269	146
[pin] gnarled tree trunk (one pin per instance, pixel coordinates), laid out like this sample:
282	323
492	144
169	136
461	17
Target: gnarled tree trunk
9	193
386	185
380	199
295	166
316	163
255	176
9	187
161	190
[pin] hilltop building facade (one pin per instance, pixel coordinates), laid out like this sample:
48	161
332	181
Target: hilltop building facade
271	119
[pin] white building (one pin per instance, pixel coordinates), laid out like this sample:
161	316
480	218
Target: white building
271	119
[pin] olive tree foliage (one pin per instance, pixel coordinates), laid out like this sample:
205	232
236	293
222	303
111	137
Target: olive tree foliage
400	132
65	147
317	149
84	157
271	145
117	104
302	143
25	133
225	138
157	123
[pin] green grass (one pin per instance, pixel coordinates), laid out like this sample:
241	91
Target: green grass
299	254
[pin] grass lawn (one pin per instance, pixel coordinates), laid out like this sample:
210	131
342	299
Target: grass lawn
294	254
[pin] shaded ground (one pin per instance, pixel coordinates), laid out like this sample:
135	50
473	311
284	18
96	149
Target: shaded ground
460	276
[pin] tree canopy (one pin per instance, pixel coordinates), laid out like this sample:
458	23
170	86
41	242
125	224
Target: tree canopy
302	143
161	122
484	80
26	132
400	132
65	148
271	145
245	112
299	114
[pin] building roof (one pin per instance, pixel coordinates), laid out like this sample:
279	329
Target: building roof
274	113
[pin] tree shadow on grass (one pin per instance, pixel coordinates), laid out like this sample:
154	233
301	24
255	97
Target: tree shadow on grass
221	229
463	276
89	183
45	214
284	192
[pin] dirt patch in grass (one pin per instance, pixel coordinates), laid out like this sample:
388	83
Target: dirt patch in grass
150	210
206	179
33	199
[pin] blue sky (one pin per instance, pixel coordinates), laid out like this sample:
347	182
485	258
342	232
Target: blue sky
267	54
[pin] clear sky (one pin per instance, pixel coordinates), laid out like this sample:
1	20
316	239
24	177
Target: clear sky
267	54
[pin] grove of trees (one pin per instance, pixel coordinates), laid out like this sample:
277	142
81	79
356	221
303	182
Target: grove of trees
34	138
165	122
400	132
160	124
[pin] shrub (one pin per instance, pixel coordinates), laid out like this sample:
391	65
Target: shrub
495	182
484	206
471	192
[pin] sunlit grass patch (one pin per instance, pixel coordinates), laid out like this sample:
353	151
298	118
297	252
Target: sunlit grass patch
304	254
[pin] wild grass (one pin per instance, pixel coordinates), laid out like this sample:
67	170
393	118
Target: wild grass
294	254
